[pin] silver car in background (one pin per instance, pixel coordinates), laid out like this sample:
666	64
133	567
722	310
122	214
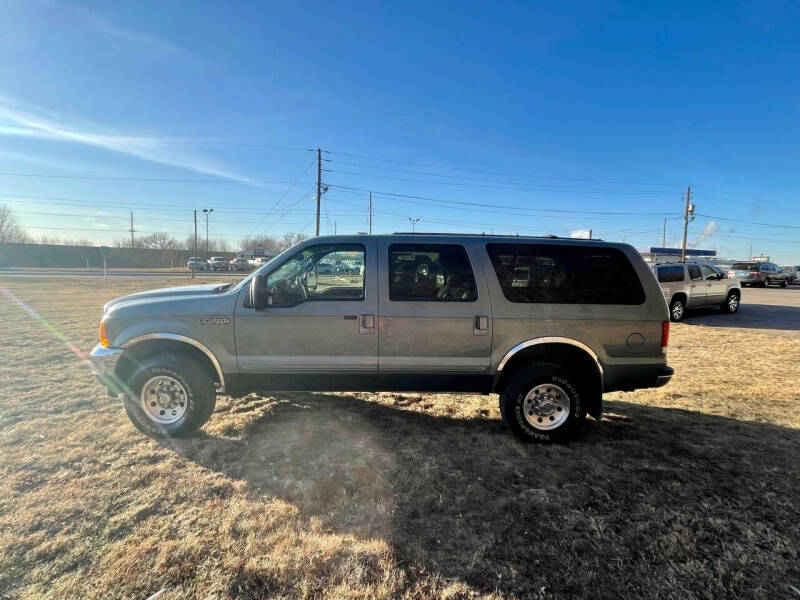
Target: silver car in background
696	285
758	274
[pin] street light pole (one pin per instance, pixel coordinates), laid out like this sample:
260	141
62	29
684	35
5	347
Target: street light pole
413	223
206	212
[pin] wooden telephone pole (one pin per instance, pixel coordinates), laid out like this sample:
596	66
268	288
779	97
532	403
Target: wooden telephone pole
319	185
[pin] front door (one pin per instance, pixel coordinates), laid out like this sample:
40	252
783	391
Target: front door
716	288
697	287
435	315
322	314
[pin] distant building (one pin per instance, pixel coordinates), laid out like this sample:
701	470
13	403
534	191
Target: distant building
662	255
253	253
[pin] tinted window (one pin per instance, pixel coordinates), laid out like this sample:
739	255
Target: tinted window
744	266
432	272
672	273
694	272
563	274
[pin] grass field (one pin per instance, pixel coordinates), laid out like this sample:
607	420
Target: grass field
687	491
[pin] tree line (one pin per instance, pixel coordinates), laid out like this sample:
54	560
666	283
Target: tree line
12	232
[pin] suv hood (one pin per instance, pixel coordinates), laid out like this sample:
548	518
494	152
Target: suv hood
205	289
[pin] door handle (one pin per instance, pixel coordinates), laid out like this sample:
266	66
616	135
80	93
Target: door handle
367	324
480	325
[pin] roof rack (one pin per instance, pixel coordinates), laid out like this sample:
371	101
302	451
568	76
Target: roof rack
508	235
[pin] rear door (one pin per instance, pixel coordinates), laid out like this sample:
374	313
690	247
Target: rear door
435	315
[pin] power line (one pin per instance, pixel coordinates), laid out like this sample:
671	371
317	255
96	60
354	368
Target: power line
508	207
750	222
517	186
279	200
462	178
487	172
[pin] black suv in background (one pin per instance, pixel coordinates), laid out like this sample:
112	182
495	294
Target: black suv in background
759	274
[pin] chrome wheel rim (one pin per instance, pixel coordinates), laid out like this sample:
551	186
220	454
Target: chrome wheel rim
163	399
546	406
733	303
677	311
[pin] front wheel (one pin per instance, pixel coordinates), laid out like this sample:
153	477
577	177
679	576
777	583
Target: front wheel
731	304
169	396
783	283
677	309
542	403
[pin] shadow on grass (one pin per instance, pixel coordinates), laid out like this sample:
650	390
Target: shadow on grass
749	316
650	502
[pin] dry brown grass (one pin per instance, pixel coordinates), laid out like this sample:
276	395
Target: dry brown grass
689	491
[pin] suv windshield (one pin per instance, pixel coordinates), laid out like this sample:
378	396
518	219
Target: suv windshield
743	266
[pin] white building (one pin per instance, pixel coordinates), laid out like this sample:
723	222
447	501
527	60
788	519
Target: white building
253	253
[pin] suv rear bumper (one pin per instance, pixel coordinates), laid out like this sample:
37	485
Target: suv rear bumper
665	373
104	363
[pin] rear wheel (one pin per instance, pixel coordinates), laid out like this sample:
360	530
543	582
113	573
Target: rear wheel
783	283
731	304
543	402
677	309
169	396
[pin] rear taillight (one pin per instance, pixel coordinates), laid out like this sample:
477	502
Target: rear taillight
754	274
664	336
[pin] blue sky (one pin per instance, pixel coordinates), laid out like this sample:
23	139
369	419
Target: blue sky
552	114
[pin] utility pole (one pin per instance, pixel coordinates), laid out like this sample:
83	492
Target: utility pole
195	233
131	229
319	185
207	212
370	213
334	228
413	223
687	212
664	234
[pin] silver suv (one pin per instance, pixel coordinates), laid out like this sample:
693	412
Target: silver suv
548	324
696	285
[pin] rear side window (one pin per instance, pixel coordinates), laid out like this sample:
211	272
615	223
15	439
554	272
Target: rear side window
743	266
430	272
563	274
668	274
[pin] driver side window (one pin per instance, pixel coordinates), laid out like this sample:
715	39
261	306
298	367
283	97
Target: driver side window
322	272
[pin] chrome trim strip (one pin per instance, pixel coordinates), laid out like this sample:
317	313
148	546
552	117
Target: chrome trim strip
550	340
187	340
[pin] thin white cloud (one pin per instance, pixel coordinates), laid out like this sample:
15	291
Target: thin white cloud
27	122
104	27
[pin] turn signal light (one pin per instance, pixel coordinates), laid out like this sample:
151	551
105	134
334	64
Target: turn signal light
103	337
664	336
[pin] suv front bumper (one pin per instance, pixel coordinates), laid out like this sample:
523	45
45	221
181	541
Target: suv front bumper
104	363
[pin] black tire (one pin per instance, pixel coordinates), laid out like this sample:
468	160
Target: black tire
564	389
783	283
199	396
731	307
677	309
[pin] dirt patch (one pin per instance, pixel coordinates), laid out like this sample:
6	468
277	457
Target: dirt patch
687	491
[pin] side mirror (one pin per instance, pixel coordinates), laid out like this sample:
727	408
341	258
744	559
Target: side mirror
258	292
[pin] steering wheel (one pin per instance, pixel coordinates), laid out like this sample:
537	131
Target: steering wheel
300	286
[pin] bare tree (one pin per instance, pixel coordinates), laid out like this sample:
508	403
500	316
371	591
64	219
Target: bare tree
10	231
272	243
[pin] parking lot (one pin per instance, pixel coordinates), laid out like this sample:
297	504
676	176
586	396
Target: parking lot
684	491
770	310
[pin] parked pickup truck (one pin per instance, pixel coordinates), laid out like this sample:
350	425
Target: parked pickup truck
424	312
